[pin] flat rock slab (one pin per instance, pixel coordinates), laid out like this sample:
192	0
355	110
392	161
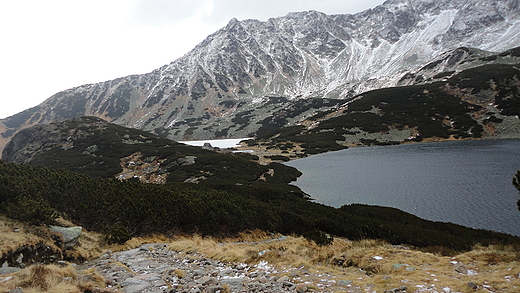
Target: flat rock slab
8	270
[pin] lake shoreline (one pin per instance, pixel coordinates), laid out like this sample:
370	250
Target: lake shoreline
431	167
268	155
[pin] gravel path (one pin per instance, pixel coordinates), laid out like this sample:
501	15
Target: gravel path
155	268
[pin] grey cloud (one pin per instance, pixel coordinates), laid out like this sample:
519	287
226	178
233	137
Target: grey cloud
227	9
160	12
163	12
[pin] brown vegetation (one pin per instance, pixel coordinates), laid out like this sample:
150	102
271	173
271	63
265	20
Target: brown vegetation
371	264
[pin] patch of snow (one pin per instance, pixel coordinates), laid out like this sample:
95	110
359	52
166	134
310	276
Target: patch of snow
220	143
263	265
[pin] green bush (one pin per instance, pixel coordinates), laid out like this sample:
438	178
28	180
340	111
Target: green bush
319	237
279	158
117	234
120	210
35	211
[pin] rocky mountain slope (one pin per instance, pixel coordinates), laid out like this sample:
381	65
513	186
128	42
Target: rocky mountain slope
251	75
481	102
92	146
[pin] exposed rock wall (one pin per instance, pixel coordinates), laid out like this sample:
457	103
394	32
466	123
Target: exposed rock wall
222	87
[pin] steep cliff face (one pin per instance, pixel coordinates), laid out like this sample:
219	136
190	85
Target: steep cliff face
243	77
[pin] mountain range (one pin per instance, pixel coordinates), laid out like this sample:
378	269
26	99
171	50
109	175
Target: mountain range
251	76
477	103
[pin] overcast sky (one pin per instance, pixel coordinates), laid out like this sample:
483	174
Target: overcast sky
47	46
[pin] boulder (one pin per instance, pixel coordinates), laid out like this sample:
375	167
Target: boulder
344	282
214	289
8	270
70	235
301	288
460	268
473	285
401	289
133	285
186	161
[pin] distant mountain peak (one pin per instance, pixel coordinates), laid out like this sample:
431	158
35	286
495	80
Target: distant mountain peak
225	85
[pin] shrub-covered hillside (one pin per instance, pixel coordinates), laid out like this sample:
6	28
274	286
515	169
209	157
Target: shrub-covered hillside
92	146
475	103
121	209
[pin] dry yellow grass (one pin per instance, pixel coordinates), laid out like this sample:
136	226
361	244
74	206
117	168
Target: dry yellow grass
52	278
371	263
14	234
90	245
56	279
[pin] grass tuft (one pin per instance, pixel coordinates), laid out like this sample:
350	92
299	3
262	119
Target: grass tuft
56	279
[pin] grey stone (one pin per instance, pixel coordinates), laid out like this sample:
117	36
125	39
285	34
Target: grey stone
206	281
133	285
17	290
186	161
8	270
226	272
70	235
262	279
398	266
233	282
159	283
214	289
460	268
344	282
19	259
473	285
283	279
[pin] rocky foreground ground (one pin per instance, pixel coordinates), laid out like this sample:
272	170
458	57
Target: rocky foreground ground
155	268
258	262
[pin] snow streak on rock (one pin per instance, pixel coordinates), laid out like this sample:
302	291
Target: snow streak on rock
225	86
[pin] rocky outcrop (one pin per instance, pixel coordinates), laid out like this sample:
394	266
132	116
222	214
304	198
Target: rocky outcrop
479	102
251	75
70	235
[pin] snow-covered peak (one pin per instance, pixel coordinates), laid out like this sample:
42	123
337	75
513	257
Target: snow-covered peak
225	86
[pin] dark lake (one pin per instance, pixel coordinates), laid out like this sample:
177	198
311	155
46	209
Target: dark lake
463	182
